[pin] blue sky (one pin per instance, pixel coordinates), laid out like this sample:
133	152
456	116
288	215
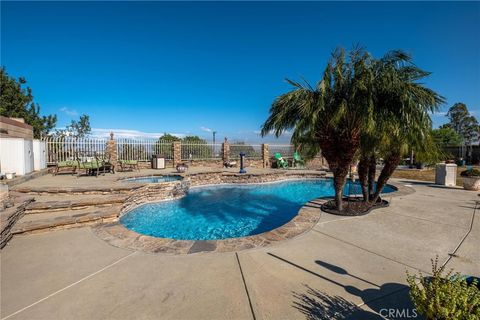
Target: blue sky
188	68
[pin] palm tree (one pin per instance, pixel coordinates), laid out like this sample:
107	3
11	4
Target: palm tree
332	116
402	119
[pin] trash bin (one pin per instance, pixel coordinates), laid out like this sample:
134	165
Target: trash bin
446	174
158	161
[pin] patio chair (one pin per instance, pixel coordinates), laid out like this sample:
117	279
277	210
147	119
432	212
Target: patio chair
66	164
91	167
281	162
128	164
107	165
297	160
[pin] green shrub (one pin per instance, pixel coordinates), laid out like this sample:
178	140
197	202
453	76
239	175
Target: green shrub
444	297
470	173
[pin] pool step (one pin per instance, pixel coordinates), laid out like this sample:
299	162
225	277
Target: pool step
77	190
45	204
64	219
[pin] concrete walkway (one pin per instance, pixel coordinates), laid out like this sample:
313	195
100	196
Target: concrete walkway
344	268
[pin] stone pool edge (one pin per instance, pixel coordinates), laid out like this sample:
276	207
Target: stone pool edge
308	216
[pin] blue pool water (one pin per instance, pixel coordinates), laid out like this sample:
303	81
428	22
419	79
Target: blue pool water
153	179
229	211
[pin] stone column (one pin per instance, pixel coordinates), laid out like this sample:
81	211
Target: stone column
265	156
177	153
225	151
112	150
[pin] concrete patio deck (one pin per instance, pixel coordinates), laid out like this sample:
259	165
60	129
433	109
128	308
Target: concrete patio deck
344	268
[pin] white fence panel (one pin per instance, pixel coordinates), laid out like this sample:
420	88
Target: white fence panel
143	149
201	151
286	150
68	148
252	151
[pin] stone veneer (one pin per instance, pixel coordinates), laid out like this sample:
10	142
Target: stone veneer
10	216
177	153
154	192
111	150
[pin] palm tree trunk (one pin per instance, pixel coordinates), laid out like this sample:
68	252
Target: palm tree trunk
363	175
339	180
339	151
372	171
391	163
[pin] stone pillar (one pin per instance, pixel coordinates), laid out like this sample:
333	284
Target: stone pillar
265	156
225	151
112	150
177	153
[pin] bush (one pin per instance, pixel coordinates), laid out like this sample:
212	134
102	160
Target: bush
470	173
444	297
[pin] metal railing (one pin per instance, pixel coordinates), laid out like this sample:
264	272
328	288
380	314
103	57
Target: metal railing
286	150
68	148
201	151
252	151
143	149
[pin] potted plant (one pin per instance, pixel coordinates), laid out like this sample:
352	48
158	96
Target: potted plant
471	179
445	295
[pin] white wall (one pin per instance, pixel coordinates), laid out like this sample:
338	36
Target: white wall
16	155
39	155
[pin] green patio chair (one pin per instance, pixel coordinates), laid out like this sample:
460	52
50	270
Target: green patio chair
66	164
91	167
107	165
297	160
281	162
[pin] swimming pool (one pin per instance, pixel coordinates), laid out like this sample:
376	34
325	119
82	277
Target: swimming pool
153	179
228	211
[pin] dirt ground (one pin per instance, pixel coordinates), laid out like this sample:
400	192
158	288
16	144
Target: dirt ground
427	174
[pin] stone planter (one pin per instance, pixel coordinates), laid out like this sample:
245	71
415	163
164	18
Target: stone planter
471	183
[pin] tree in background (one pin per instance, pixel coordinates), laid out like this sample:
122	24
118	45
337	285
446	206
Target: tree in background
167	137
194	147
464	124
446	137
76	129
80	128
17	102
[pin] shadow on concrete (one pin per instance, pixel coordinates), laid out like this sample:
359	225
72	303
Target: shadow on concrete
315	304
385	299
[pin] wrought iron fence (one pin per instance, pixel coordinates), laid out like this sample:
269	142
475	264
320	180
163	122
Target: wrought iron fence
201	151
286	150
252	151
69	148
143	149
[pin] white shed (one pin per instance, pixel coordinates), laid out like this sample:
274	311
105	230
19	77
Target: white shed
16	155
